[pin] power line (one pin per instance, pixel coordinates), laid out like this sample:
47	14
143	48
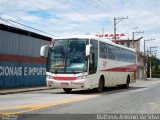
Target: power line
115	23
145	44
80	13
99	6
64	3
119	14
4	19
115	12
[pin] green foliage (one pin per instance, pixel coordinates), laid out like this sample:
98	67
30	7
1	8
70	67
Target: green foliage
155	63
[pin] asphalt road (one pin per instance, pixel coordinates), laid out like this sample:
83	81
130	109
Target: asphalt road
143	97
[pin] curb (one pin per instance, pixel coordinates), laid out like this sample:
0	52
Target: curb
153	79
149	79
12	91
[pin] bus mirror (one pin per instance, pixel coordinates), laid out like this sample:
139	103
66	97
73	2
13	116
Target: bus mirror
88	48
44	50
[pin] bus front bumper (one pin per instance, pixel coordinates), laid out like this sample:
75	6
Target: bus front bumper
83	83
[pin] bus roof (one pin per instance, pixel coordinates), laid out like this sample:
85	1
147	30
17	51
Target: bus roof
96	38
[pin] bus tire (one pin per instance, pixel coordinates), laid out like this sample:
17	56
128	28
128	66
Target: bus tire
100	87
126	86
67	90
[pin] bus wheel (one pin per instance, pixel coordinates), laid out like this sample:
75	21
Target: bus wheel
67	90
126	86
100	85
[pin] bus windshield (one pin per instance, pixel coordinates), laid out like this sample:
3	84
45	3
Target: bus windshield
67	56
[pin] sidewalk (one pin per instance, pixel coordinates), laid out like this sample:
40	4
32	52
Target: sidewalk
19	90
149	79
152	79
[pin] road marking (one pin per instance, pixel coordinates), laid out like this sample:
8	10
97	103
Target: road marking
32	107
45	105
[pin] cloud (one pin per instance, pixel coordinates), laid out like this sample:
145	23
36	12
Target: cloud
62	17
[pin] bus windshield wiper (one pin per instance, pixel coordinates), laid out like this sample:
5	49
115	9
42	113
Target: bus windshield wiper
73	71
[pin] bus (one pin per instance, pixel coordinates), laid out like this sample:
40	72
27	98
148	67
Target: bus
88	62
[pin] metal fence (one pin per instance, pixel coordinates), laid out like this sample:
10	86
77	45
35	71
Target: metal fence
20	62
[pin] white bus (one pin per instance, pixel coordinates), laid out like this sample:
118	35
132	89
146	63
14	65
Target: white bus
88	62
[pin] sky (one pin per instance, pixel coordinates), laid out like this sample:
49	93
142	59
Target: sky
76	17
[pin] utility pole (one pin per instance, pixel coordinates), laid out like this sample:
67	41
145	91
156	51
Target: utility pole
102	29
145	60
150	65
133	40
145	44
115	23
133	35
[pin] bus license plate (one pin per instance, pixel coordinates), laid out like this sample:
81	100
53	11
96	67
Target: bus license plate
50	82
64	84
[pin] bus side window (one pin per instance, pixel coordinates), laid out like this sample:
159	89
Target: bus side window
93	58
92	68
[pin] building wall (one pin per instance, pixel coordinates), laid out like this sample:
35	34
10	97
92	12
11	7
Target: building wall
128	43
140	73
16	44
20	62
140	66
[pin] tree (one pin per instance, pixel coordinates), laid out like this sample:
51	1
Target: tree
155	65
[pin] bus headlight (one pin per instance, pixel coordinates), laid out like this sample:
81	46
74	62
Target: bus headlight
49	77
81	77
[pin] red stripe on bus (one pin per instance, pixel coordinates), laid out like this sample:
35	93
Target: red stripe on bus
128	68
64	78
22	59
